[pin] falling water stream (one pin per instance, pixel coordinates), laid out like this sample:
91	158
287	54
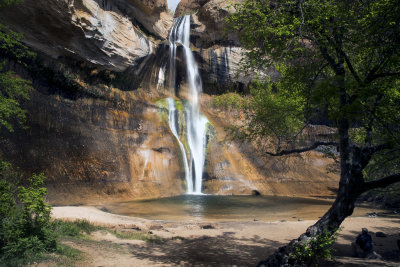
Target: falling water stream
196	123
174	128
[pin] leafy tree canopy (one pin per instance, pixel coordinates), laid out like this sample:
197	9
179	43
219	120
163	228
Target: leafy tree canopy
324	51
13	89
341	57
6	3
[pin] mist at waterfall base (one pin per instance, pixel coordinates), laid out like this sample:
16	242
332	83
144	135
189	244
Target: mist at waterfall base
196	123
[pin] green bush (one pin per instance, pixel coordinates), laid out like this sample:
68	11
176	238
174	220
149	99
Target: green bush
229	101
24	219
314	249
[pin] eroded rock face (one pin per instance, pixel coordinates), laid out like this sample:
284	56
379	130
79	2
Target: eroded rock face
220	69
189	6
210	24
95	150
105	33
241	168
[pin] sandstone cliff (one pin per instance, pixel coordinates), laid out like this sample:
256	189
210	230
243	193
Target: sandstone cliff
112	34
94	127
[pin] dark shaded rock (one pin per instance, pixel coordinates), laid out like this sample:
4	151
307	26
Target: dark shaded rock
208	226
380	234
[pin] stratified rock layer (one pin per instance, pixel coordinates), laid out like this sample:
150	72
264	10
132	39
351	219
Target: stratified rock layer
110	34
242	168
114	147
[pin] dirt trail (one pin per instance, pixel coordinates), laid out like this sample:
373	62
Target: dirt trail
218	243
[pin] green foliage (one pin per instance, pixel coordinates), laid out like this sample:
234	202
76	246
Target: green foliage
73	229
338	56
314	249
6	3
11	46
275	112
24	219
13	90
229	101
69	252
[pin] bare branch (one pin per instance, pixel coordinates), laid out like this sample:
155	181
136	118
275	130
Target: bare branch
304	149
395	178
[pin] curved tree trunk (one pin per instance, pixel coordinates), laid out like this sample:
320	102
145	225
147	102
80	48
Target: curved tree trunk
328	224
350	178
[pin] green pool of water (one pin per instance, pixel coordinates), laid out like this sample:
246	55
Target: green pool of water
223	208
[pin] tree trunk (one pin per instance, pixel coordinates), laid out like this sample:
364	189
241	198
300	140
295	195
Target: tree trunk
347	193
328	224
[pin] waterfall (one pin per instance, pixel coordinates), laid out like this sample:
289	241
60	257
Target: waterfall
196	123
173	125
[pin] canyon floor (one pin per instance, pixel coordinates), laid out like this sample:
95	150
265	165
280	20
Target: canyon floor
216	243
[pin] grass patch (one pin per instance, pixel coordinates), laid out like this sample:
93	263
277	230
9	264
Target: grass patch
139	236
69	252
64	255
73	229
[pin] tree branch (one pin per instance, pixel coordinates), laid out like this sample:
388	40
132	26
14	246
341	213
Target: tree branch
382	75
378	148
395	178
350	66
304	149
328	58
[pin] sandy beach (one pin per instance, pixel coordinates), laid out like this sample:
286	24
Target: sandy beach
232	243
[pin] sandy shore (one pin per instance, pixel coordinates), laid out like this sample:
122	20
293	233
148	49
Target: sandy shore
226	243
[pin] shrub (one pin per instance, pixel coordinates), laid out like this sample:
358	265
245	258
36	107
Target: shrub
314	249
24	219
229	101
